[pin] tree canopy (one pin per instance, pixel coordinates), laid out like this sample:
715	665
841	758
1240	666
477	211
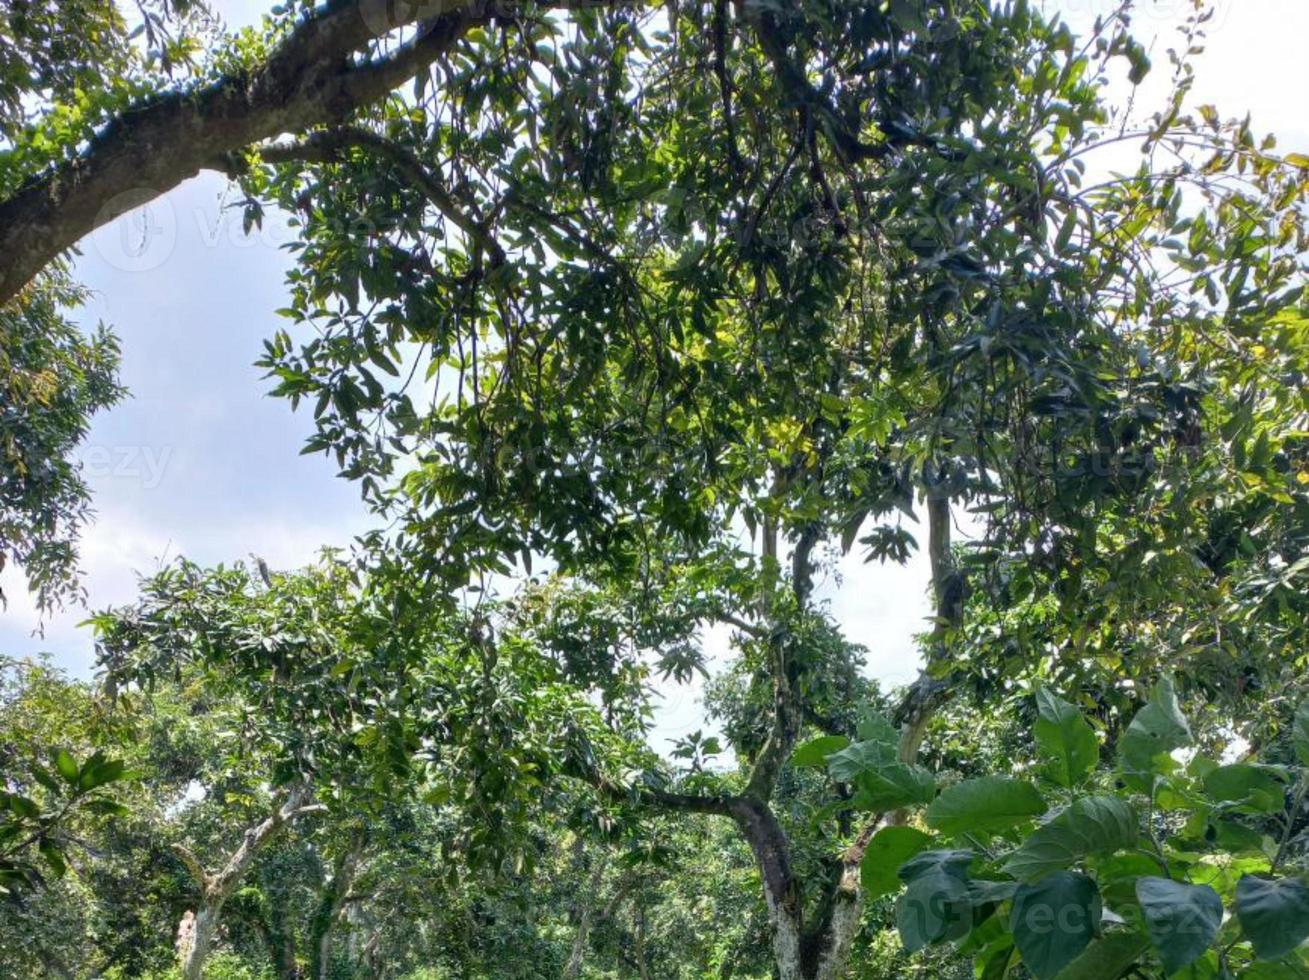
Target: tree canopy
629	320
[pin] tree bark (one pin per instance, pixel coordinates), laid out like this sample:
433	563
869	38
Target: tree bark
196	931
640	942
328	912
822	951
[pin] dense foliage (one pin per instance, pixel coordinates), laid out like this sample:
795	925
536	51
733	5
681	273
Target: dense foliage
629	321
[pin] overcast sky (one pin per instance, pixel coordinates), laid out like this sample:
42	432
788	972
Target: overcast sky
200	462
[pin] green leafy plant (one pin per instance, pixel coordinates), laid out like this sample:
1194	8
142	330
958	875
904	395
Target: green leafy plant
34	823
1159	864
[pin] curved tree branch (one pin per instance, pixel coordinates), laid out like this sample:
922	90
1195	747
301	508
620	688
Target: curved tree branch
311	79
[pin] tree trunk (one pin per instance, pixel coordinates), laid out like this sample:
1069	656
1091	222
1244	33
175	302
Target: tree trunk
822	951
195	937
640	941
195	933
573	968
328	913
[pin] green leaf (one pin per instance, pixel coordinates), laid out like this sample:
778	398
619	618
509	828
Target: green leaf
936	905
53	857
894	785
1182	919
876	727
813	754
1256	789
951	862
906	16
889	849
847	764
1157	729
1065	738
1273	914
985	805
1300	733
98	772
1053	920
1065	234
66	765
1095	825
880	779
985	892
1108	957
23	807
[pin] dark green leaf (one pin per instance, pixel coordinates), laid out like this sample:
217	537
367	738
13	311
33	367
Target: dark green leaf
1095	825
1182	919
1300	733
813	754
1257	789
889	849
1065	738
1157	729
1107	958
848	763
894	785
1053	920
985	805
1273	914
936	905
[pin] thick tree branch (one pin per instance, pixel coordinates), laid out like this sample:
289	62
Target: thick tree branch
193	865
772	39
295	804
310	80
788	714
717	805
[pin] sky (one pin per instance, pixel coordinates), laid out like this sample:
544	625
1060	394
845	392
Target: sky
200	462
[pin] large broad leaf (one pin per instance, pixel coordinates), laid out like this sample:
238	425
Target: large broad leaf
893	785
1254	789
813	754
985	805
1065	739
881	780
875	727
936	905
954	863
1157	729
1095	825
890	848
1053	920
1300	733
848	763
1182	919
1273	914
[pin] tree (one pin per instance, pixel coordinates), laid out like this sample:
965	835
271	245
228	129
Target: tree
349	705
46	787
53	380
703	294
825	271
